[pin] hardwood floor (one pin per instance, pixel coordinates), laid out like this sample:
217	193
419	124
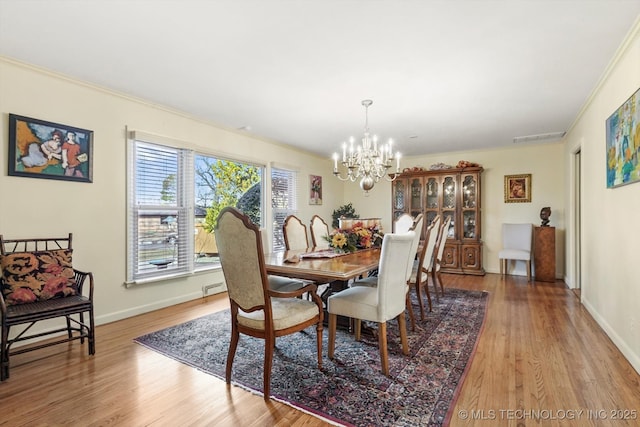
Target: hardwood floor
541	359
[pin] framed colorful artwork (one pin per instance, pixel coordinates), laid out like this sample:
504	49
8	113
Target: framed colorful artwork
40	149
517	188
623	143
315	190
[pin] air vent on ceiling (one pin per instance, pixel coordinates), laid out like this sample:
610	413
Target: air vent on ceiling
540	137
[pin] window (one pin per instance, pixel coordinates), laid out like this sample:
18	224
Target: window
175	196
284	201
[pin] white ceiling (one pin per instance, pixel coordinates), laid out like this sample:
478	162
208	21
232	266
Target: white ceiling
444	75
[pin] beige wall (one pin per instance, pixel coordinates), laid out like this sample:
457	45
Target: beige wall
96	212
608	271
544	162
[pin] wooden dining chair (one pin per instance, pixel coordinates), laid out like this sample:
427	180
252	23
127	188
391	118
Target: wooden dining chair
378	304
257	310
403	223
436	277
420	273
295	233
319	230
278	283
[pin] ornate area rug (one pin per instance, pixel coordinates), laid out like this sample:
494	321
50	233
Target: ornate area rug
350	390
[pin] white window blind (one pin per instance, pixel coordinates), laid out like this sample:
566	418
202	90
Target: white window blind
160	200
284	201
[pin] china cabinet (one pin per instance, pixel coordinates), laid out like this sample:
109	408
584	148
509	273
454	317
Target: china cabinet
451	193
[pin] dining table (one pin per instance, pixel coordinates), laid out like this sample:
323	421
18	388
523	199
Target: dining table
324	266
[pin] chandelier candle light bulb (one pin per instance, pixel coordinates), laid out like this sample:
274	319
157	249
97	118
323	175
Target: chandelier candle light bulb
368	162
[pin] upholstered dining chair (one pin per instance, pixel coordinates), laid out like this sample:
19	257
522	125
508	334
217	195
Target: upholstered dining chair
295	233
257	310
380	303
403	223
319	230
516	245
420	271
278	283
436	277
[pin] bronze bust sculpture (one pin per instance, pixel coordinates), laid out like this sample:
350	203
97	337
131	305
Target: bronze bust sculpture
545	213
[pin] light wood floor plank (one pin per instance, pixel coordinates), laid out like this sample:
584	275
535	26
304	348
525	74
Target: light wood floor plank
540	351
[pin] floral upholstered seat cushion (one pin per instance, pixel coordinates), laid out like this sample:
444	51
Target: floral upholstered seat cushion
37	276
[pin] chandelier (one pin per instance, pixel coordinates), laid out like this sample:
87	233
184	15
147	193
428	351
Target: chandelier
368	161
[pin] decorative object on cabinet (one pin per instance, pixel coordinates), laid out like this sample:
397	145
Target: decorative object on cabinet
544	254
623	135
453	193
467	164
315	190
40	149
369	161
517	188
439	166
545	213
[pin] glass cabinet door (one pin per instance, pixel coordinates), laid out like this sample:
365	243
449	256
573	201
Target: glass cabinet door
399	205
432	193
469	204
469	192
449	193
415	189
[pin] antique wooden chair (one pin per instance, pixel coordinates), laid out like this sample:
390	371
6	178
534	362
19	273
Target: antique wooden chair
381	303
319	230
403	223
436	265
257	310
419	274
278	283
38	283
295	233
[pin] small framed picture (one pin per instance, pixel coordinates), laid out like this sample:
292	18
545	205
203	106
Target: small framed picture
517	188
315	190
40	149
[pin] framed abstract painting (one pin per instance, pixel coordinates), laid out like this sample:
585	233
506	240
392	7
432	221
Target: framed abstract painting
623	143
41	149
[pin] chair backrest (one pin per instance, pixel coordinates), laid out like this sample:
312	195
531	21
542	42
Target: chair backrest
517	236
319	230
403	223
392	286
264	236
442	241
295	233
242	259
417	229
429	247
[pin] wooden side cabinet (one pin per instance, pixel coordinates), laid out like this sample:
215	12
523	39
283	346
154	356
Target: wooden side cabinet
544	255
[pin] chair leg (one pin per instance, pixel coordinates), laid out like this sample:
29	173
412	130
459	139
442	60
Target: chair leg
410	308
357	328
4	356
420	303
402	324
529	270
426	291
319	343
269	345
382	343
233	345
333	320
437	278
502	262
92	333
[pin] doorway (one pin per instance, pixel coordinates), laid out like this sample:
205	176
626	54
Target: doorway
577	224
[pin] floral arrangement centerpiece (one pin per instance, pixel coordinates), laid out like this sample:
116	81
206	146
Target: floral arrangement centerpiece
358	236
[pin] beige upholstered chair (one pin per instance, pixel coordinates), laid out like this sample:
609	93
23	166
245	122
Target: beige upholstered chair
420	272
380	303
319	230
403	223
516	245
295	233
278	283
437	261
257	310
